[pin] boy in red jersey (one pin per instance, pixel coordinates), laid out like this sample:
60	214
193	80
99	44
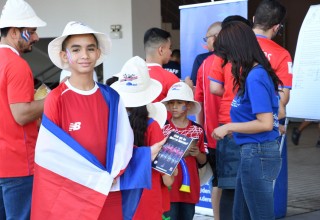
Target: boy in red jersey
180	103
157	45
85	140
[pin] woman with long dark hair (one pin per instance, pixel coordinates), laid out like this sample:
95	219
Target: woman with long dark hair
254	115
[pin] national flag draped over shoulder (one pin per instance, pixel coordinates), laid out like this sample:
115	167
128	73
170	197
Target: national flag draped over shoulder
70	182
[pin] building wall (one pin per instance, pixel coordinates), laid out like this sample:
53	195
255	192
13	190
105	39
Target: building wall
134	16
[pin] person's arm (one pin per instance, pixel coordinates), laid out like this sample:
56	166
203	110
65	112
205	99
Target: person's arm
264	122
195	152
216	88
284	99
168	180
200	115
23	113
198	94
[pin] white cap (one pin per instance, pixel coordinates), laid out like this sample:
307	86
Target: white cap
18	13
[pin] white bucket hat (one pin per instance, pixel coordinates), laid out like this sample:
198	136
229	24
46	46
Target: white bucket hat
158	112
181	91
134	85
75	28
18	13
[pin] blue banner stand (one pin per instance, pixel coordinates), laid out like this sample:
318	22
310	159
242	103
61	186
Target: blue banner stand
281	186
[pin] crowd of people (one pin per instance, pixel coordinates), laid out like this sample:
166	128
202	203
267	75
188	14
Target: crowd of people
91	157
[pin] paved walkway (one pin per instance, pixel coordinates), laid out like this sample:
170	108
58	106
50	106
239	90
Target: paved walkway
303	176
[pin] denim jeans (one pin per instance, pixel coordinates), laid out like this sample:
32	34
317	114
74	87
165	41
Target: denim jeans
260	164
15	198
228	159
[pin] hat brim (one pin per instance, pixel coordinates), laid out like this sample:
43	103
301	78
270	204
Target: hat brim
158	112
55	47
137	99
31	22
195	108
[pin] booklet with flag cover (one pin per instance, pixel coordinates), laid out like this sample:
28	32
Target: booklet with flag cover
171	153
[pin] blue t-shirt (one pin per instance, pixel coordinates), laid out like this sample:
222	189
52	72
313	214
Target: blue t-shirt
259	97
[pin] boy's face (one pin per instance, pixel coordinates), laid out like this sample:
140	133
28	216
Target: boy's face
178	108
81	53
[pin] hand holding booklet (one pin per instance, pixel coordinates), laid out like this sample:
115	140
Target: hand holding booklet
171	153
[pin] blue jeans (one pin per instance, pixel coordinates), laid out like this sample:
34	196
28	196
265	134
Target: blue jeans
15	198
228	159
259	166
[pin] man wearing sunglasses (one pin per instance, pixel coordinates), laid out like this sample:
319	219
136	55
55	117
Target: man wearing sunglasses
211	35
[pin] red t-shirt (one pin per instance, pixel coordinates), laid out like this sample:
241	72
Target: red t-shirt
150	207
166	78
193	130
224	77
81	114
211	103
279	59
17	143
84	116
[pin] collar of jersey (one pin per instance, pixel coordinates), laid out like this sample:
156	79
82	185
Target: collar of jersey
82	92
11	48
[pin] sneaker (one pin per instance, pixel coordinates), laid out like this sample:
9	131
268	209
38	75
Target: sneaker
295	136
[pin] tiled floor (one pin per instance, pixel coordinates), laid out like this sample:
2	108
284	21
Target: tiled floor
303	177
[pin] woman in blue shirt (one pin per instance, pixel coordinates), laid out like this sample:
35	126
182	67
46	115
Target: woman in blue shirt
254	115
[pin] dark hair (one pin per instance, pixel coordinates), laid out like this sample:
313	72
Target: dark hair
65	41
154	37
268	14
235	18
175	53
139	122
238	44
111	80
4	31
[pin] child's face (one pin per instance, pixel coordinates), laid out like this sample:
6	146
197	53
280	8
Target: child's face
81	53
178	108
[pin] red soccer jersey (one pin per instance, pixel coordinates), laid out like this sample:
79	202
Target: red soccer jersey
279	59
193	130
166	78
211	103
17	143
225	78
82	114
150	207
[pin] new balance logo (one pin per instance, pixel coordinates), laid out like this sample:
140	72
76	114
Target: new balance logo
75	126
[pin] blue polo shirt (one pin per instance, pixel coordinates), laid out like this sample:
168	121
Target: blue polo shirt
259	97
